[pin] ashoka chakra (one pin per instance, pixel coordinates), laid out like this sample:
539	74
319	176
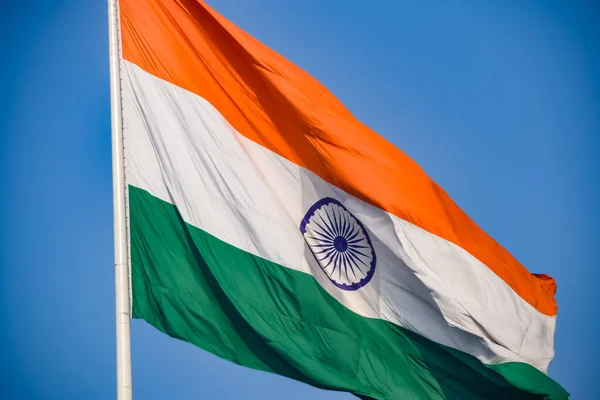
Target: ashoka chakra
339	243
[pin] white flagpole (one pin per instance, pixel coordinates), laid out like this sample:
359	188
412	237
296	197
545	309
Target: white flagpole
120	224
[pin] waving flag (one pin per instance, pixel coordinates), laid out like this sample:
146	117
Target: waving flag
270	227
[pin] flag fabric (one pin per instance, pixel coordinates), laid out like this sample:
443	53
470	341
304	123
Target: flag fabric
270	227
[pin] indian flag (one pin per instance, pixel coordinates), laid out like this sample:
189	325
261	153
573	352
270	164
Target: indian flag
270	227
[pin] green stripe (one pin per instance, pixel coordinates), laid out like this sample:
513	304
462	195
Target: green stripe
195	287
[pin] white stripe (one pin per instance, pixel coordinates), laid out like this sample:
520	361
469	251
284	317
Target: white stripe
180	149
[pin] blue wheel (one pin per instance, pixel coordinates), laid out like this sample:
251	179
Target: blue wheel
340	244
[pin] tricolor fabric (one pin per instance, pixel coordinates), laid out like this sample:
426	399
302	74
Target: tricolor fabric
270	227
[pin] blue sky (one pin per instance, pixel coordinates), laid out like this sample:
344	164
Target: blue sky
499	103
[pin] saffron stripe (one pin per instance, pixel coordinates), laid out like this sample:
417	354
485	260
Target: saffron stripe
277	105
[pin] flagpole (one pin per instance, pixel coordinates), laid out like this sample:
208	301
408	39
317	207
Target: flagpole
119	210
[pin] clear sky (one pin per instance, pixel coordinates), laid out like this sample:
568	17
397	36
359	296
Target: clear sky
500	104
